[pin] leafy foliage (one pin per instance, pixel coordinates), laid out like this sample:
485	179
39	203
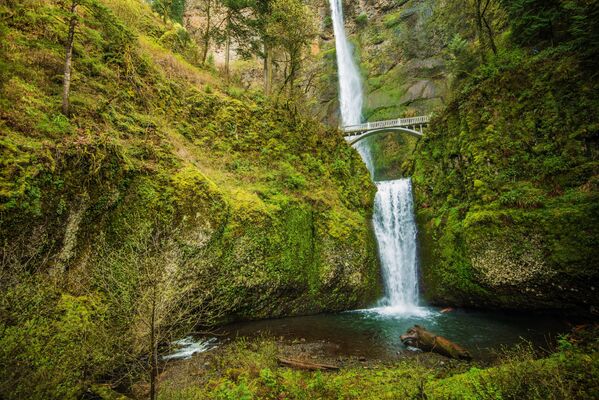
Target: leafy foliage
535	22
55	343
540	24
173	9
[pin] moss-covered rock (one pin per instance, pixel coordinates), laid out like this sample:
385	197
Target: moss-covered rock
256	209
506	185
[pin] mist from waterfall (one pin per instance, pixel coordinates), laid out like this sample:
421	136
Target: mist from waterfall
351	97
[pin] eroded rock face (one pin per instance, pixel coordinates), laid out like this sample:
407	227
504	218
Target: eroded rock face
497	264
421	90
404	69
502	266
244	259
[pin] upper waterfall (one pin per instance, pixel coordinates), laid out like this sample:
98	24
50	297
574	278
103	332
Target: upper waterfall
394	223
350	83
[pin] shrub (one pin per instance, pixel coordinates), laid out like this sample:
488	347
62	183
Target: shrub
53	345
362	20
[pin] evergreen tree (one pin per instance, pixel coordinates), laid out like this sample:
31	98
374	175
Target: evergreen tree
534	22
584	29
170	9
236	29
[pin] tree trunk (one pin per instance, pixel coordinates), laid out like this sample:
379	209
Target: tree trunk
479	30
482	20
488	26
491	36
267	69
154	352
295	63
227	54
427	341
207	32
69	59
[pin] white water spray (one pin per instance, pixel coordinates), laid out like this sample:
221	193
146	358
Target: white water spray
395	230
394	223
350	82
363	147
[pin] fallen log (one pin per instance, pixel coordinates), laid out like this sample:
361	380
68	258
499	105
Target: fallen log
422	339
308	366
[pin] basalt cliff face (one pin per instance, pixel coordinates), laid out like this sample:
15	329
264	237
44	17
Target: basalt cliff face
507	191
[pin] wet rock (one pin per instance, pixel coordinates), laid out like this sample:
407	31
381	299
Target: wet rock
421	90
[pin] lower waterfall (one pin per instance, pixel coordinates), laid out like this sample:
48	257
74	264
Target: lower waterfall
396	232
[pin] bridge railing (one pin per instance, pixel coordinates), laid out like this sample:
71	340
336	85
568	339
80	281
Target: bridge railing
387	124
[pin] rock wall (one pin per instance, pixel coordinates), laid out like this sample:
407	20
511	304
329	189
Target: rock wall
403	67
508	216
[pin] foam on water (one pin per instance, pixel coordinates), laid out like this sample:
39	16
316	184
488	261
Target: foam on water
400	312
187	347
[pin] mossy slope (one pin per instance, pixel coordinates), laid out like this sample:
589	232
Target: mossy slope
265	211
153	135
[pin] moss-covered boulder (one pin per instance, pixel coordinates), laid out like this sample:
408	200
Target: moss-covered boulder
506	186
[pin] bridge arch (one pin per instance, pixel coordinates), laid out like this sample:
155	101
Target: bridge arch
358	138
413	126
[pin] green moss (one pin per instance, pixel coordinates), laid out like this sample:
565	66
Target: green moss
249	370
43	340
509	166
266	210
568	374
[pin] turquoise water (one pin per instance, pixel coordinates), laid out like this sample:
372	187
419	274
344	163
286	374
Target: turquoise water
375	333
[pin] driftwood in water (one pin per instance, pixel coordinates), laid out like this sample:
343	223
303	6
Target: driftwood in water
427	341
308	366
